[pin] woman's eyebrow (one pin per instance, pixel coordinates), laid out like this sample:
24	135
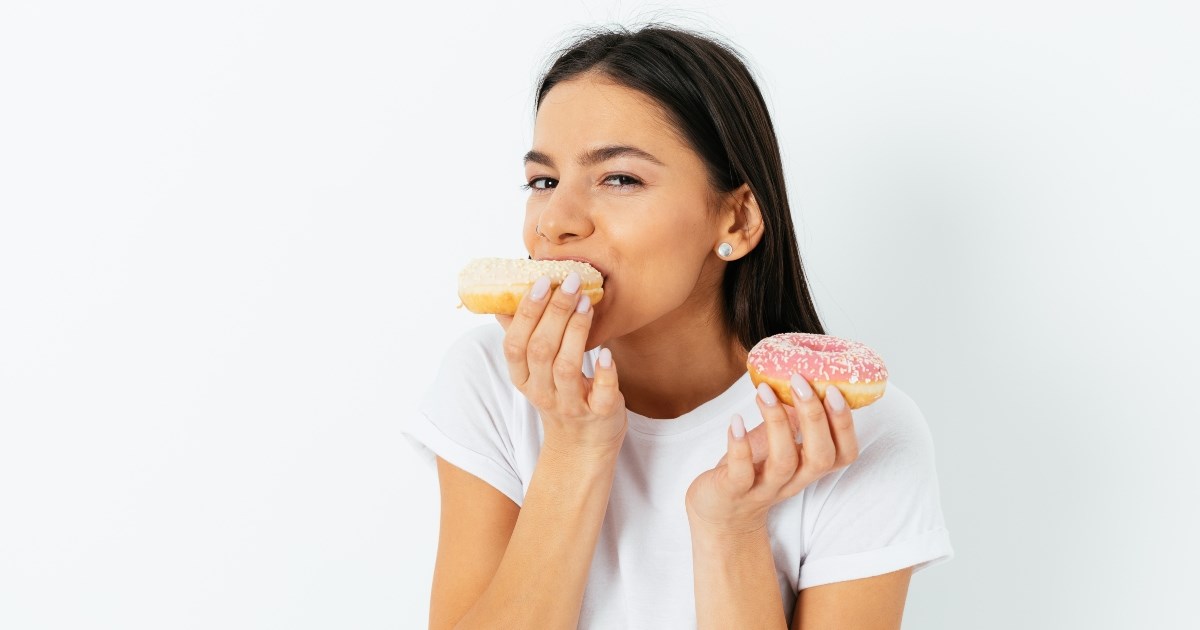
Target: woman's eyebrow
595	156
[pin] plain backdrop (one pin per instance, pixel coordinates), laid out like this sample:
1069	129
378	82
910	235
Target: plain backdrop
230	235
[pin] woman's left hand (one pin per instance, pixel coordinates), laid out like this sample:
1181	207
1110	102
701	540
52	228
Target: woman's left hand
759	471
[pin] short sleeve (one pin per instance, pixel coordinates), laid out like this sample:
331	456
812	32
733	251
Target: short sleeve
883	512
463	416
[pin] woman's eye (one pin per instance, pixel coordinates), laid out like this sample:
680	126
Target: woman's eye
546	183
537	183
623	180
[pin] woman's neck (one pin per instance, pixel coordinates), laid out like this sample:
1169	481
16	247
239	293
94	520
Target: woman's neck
678	363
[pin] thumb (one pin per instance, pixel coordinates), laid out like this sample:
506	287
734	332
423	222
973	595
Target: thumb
606	393
739	462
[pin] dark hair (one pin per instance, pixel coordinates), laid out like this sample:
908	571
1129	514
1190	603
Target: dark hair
706	88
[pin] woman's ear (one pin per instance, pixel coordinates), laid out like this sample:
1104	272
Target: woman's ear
741	222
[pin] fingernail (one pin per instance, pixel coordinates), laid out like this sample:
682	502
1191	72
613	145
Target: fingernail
540	288
571	284
605	358
801	387
767	394
739	427
834	396
584	303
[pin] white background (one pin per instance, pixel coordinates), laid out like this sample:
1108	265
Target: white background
230	233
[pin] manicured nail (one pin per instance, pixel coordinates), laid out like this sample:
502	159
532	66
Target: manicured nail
834	396
767	394
801	387
540	288
571	284
605	358
584	303
739	427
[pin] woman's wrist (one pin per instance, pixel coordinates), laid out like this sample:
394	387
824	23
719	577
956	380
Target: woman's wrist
734	529
575	457
728	543
597	453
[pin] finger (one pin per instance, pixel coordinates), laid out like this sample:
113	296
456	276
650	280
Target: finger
739	465
758	442
818	449
759	433
520	329
505	321
606	393
757	437
547	336
568	365
841	421
844	438
795	418
782	460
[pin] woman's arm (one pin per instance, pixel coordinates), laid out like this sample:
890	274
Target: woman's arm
541	578
736	588
735	581
874	603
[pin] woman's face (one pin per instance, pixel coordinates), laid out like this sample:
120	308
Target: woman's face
612	183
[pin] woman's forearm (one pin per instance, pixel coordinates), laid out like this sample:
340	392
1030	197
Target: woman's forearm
540	580
735	581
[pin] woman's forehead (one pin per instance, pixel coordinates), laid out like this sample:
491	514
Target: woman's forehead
591	111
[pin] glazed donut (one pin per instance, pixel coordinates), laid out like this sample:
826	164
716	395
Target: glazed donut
823	360
496	285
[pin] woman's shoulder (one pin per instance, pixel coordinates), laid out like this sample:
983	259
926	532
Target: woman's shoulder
491	334
479	349
883	511
475	355
892	420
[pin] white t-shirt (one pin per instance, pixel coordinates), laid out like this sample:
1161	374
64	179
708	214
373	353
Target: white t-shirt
879	514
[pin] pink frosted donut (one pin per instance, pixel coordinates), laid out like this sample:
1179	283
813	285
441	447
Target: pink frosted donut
823	360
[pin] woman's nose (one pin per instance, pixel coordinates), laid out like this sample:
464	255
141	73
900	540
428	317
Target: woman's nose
565	216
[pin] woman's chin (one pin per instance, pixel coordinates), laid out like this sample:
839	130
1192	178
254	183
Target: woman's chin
595	337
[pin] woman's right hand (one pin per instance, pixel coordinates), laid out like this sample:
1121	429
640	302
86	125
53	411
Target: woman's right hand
544	346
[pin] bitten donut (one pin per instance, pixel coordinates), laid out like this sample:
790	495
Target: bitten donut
823	360
496	285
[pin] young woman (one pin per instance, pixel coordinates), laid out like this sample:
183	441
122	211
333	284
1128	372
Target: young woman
594	460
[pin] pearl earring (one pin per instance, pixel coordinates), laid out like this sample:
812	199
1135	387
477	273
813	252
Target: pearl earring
724	250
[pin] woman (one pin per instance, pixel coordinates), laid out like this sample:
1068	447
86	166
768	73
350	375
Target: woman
617	486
